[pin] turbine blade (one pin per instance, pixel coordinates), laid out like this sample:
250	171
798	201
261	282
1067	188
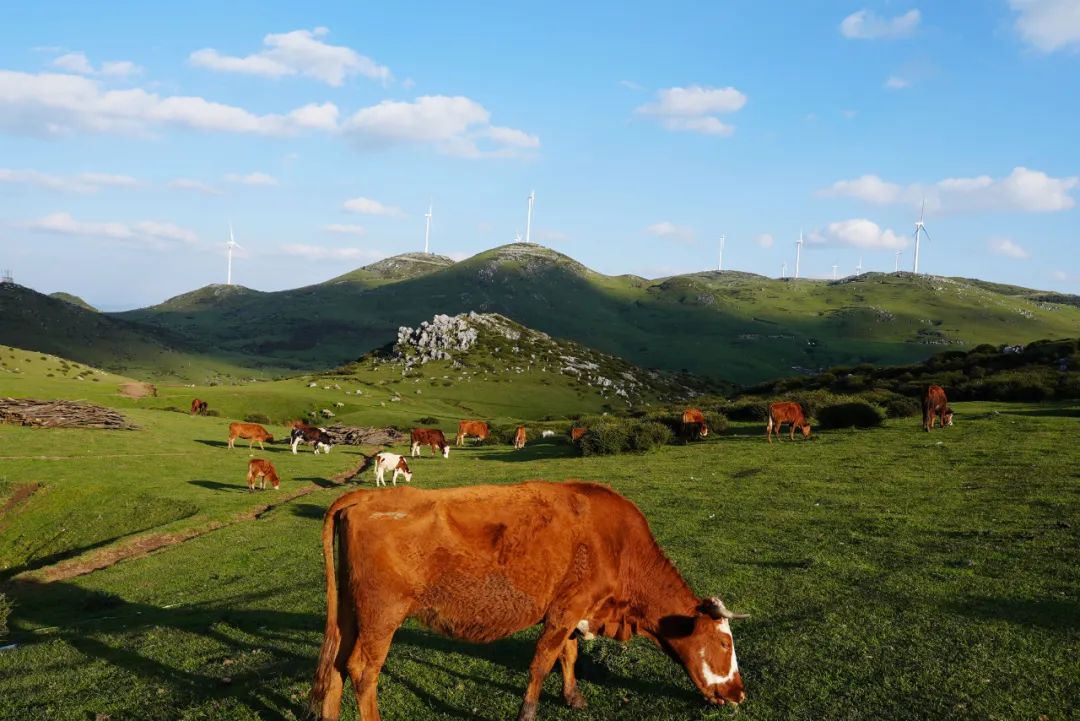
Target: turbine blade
926	234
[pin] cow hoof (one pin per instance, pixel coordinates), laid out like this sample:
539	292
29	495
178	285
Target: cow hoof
528	712
576	701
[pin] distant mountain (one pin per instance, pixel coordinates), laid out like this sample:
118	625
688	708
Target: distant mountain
727	325
73	299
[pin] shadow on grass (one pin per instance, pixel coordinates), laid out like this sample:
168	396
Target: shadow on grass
320	482
1072	412
532	452
1053	614
242	446
239	486
308	510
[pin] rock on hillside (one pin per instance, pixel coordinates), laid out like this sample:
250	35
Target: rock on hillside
492	343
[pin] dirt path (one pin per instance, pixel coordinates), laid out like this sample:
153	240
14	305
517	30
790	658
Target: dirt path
143	545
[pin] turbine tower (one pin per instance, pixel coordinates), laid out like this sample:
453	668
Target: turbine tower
720	265
920	229
834	267
528	218
858	268
783	270
798	252
427	229
229	251
896	266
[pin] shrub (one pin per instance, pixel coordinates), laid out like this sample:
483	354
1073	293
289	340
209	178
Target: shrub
213	413
253	418
747	409
5	611
898	406
428	421
855	413
648	436
605	438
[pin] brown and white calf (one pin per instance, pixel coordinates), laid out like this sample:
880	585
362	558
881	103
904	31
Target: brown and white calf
935	407
519	438
391	462
781	413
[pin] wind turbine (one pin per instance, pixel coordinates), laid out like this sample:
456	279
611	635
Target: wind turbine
858	268
798	252
427	228
720	265
920	229
229	250
783	270
835	266
517	236
528	219
896	266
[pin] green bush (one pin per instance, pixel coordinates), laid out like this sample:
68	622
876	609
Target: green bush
855	413
5	611
428	421
648	436
605	438
747	409
253	418
213	413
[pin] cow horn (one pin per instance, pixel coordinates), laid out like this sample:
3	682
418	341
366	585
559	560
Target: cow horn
715	608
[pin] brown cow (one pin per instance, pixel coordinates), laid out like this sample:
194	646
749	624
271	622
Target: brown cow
519	438
694	420
479	429
264	470
198	407
252	431
429	437
935	406
781	413
577	433
483	562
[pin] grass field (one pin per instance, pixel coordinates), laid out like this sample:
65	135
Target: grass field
890	573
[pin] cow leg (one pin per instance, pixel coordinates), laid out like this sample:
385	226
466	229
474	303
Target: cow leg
231	441
793	430
548	649
261	447
567	659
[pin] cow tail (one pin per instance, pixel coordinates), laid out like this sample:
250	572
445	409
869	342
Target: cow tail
331	648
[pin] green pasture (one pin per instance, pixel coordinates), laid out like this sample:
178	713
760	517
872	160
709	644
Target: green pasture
890	573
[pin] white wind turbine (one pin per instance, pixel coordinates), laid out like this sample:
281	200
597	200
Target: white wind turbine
528	218
720	265
920	229
835	266
427	228
798	252
229	251
783	270
858	268
896	266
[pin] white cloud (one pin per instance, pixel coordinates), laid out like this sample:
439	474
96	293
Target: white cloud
694	108
895	82
318	252
80	183
315	116
630	85
194	185
146	230
299	52
1048	25
345	229
78	63
858	233
47	104
765	240
672	231
1023	190
367	206
866	25
255	179
454	125
1006	247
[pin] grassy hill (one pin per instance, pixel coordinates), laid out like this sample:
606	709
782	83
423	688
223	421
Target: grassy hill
733	326
73	299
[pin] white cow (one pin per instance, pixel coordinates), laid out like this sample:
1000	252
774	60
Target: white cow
391	461
547	434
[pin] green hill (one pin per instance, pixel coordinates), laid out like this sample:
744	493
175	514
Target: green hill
732	326
73	299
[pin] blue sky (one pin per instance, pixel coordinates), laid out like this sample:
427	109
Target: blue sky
129	139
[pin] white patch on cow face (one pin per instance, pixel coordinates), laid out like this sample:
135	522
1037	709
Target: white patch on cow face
707	674
446	452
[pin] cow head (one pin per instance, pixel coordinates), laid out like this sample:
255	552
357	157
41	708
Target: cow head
704	645
703	431
947	416
445	448
269	438
805	430
403	466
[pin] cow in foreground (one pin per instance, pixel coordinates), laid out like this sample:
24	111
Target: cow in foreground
519	438
391	462
781	413
198	407
253	432
483	562
263	470
935	407
429	437
318	438
693	423
477	429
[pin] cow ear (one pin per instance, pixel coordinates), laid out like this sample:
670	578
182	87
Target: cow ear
676	626
712	607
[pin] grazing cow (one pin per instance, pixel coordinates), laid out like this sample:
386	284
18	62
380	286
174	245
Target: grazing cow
547	434
318	438
198	407
252	431
483	562
781	413
479	429
935	406
519	438
391	462
429	437
577	433
264	470
693	422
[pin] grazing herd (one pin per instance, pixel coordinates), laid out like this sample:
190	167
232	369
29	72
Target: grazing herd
484	562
